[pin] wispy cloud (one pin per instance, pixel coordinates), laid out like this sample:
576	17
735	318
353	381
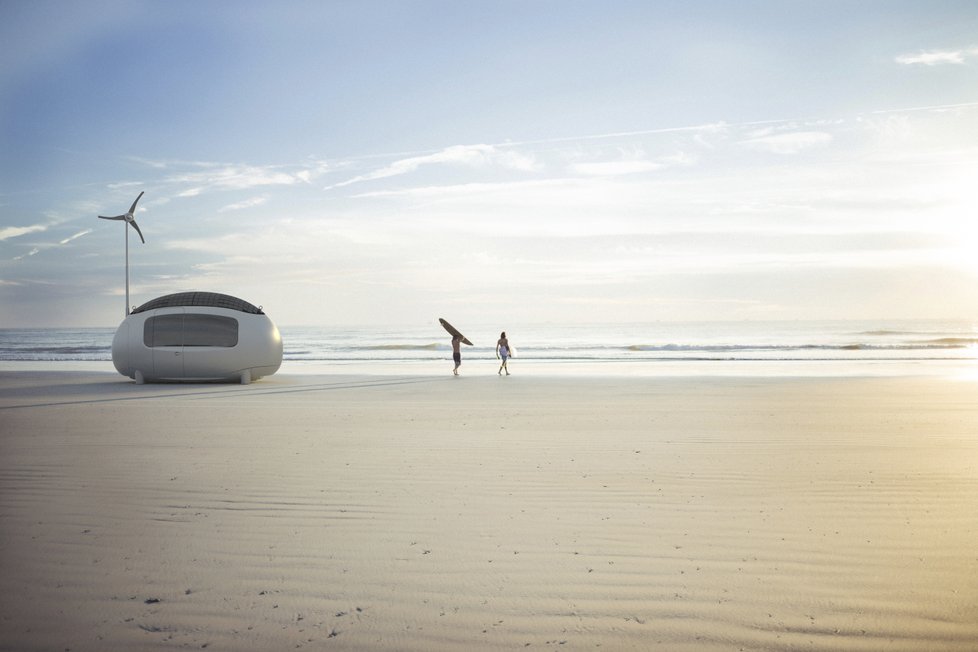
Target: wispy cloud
493	189
8	232
123	185
241	205
615	168
627	164
233	177
789	143
708	128
76	236
466	155
934	108
194	178
937	57
156	164
520	156
32	252
41	246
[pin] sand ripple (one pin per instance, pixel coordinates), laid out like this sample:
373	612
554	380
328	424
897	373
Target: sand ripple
539	514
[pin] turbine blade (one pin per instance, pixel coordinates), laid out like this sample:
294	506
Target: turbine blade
117	217
136	226
132	209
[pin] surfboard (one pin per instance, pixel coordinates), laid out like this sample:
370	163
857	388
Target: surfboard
454	331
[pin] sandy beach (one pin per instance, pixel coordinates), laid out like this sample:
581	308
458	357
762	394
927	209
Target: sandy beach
441	513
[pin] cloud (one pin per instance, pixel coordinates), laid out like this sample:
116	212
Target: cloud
76	236
247	203
467	155
937	57
708	128
158	165
29	253
513	155
233	177
31	229
628	164
933	108
615	168
198	177
789	143
123	185
8	232
493	189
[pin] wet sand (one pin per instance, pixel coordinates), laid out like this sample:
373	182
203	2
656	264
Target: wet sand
442	513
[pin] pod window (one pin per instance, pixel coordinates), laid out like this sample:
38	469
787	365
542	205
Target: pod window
190	330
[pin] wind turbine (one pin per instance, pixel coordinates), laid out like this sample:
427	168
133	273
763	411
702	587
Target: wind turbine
131	221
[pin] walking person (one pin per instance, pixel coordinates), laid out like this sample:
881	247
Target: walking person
457	352
502	352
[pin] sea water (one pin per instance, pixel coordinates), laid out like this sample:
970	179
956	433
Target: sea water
745	347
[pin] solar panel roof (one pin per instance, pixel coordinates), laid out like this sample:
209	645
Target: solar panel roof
209	299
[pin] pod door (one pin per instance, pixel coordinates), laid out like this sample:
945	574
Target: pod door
209	346
163	334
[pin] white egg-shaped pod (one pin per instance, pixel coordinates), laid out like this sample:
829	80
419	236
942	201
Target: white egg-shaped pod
195	337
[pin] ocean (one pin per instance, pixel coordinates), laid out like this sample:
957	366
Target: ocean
687	346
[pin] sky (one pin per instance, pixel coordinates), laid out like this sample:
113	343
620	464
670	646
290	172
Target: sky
388	163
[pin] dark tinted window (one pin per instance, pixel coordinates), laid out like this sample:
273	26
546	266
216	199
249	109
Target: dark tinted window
190	330
165	330
210	330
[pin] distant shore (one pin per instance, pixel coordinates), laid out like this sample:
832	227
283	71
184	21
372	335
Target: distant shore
426	512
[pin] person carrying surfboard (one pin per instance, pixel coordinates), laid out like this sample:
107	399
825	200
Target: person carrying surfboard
502	352
457	340
457	352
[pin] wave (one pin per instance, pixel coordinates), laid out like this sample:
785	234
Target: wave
737	342
950	342
54	350
945	343
57	358
401	347
651	360
966	335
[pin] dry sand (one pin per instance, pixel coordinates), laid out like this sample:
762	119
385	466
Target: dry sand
413	513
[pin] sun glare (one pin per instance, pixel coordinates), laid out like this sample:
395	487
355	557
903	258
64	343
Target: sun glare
962	219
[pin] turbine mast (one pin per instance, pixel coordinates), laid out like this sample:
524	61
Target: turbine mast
129	220
126	229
